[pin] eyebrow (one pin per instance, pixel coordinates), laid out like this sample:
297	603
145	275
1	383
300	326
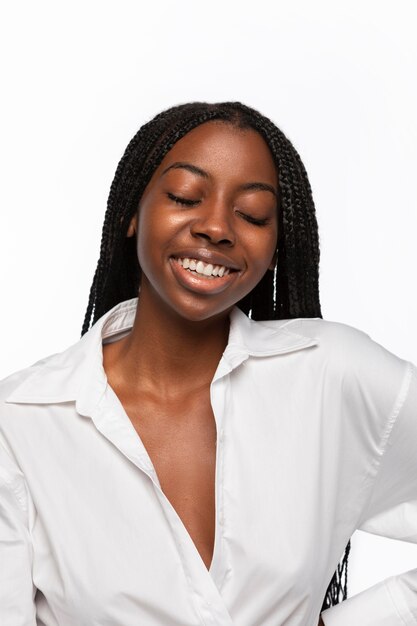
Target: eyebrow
254	186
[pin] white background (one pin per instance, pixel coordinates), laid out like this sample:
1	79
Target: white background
339	78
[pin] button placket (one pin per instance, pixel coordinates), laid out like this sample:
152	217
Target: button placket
219	400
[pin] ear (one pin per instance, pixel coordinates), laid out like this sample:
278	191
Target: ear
133	226
274	260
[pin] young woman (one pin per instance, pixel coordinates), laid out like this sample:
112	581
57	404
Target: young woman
204	453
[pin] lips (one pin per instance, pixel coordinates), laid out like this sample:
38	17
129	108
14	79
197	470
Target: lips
204	279
203	269
208	257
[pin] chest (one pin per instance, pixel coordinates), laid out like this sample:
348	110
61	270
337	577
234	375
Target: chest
180	438
272	516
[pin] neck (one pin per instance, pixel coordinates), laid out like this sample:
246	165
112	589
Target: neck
166	354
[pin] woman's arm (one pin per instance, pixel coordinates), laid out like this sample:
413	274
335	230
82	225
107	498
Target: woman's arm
391	512
17	592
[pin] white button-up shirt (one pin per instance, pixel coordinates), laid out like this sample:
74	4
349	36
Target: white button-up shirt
316	437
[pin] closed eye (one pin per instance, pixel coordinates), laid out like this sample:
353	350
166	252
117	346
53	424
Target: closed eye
254	220
245	216
183	201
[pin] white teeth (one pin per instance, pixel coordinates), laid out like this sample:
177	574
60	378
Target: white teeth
200	267
205	269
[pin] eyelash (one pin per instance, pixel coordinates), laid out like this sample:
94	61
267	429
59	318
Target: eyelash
190	203
183	201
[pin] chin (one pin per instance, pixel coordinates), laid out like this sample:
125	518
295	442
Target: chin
203	312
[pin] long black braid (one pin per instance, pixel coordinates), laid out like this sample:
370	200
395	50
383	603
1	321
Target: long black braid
292	291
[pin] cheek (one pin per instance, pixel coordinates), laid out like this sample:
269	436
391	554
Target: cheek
156	230
273	240
142	252
145	242
263	247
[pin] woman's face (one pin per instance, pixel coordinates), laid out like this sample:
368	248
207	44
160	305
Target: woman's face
207	222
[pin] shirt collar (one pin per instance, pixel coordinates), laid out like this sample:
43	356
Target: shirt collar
77	374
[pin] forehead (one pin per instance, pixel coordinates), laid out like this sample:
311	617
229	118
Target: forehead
220	147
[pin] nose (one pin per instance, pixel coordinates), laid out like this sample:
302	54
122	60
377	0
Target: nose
214	224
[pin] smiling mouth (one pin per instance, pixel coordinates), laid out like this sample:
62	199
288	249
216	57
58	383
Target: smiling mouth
205	270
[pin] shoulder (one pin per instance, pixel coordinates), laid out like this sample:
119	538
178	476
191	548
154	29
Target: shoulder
45	379
345	349
14	380
364	367
332	336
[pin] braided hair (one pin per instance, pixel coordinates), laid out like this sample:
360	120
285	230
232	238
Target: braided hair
290	291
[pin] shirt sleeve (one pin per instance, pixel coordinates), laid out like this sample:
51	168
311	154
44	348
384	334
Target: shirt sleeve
391	512
17	592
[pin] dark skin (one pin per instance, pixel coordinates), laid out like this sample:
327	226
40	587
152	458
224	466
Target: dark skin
163	369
